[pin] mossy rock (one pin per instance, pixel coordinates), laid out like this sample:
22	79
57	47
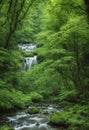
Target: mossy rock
6	128
66	119
33	110
72	119
58	119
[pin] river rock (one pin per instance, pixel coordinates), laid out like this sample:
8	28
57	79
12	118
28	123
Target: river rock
45	112
33	110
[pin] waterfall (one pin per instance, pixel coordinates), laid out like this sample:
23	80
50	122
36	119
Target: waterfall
26	47
28	61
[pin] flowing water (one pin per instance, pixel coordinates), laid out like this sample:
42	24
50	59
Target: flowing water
23	121
28	61
26	47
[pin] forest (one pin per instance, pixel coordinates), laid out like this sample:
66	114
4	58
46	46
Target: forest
60	31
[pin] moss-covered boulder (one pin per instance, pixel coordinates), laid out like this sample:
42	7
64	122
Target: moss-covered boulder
73	118
6	128
33	110
58	119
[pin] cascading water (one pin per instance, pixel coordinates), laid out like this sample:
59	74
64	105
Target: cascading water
26	47
28	61
23	121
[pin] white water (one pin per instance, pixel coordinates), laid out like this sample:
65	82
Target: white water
28	61
26	47
25	121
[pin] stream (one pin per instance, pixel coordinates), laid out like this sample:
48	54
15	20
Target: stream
21	120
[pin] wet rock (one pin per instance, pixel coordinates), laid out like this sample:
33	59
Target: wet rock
45	112
29	120
37	124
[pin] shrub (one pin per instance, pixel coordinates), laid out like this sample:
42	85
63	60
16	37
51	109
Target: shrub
70	96
36	97
10	99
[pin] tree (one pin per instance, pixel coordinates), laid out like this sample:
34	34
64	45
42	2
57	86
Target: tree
13	13
61	29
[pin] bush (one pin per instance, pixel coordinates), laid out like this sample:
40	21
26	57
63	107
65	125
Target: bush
36	97
70	96
13	99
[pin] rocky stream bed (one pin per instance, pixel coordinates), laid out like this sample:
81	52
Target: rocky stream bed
22	120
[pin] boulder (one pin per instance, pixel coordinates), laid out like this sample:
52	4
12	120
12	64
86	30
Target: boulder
33	110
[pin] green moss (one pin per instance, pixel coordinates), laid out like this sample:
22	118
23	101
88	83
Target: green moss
33	110
59	118
6	128
74	118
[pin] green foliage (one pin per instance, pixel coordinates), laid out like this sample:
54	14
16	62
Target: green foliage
70	96
59	118
10	63
36	97
62	39
11	13
41	79
30	26
6	128
10	99
73	118
10	60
